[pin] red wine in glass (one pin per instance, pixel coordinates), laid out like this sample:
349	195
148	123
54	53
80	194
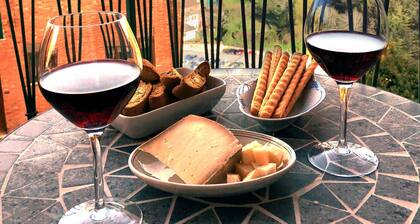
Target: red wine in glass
91	94
345	56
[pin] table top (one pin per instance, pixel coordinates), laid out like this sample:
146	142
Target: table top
46	167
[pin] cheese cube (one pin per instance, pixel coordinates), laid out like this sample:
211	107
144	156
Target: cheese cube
267	169
243	169
276	155
247	155
261	155
233	178
252	175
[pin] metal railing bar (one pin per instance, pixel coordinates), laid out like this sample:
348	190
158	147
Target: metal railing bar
119	5
175	8
60	12
252	34
211	34
219	32
145	27
203	22
103	5
25	50
33	65
244	34
111	5
141	30
182	33
350	14
171	35
104	37
304	12
292	26
150	28
262	35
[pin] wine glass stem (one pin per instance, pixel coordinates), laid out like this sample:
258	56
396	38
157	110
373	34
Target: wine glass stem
97	165
344	93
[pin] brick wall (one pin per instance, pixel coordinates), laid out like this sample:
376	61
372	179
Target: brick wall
12	91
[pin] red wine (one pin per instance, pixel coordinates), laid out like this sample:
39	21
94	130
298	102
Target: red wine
345	56
91	94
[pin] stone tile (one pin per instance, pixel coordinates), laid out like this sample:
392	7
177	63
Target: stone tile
414	152
397	188
128	149
74	198
349	220
231	87
123	172
328	177
320	194
289	184
261	192
241	199
22	209
351	138
78	177
108	136
302	154
70	139
80	155
184	208
148	193
399	131
410	107
240	119
46	188
62	127
223	104
316	213
258	217
389	98
397	117
366	107
115	160
382	144
364	90
396	165
206	217
417	217
234	108
227	123
259	129
293	132
125	140
6	161
225	214
122	187
414	139
333	113
322	129
302	120
30	171
51	116
350	193
156	211
363	128
281	208
51	215
32	129
14	146
381	211
41	146
296	143
301	168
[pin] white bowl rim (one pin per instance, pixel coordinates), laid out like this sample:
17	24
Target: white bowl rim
272	139
241	106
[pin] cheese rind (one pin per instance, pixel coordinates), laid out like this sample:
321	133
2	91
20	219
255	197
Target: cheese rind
197	149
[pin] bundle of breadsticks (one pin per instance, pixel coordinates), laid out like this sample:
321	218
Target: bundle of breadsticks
281	81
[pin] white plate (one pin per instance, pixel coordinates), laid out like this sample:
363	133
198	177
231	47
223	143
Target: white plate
161	118
214	190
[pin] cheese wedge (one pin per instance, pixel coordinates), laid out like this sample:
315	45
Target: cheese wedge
276	155
233	178
267	169
197	149
243	169
261	155
247	154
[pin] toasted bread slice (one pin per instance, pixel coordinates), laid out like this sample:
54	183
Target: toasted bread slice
203	69
190	85
158	97
149	73
170	79
138	103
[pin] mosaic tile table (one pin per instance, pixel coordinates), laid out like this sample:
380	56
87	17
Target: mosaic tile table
46	167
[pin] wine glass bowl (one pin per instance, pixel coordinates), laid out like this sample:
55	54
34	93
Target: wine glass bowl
346	38
89	67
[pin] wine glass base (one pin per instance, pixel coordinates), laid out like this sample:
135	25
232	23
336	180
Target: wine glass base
356	161
113	212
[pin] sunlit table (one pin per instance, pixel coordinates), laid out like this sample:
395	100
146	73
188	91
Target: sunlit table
46	167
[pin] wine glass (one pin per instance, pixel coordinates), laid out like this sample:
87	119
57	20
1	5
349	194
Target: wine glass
89	68
346	38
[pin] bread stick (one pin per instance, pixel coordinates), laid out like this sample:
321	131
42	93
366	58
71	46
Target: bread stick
276	77
281	108
277	52
261	85
301	86
280	88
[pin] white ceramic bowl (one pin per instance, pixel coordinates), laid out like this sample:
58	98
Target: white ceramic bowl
161	118
214	190
312	96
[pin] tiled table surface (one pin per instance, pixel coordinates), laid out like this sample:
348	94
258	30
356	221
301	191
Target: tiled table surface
46	168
